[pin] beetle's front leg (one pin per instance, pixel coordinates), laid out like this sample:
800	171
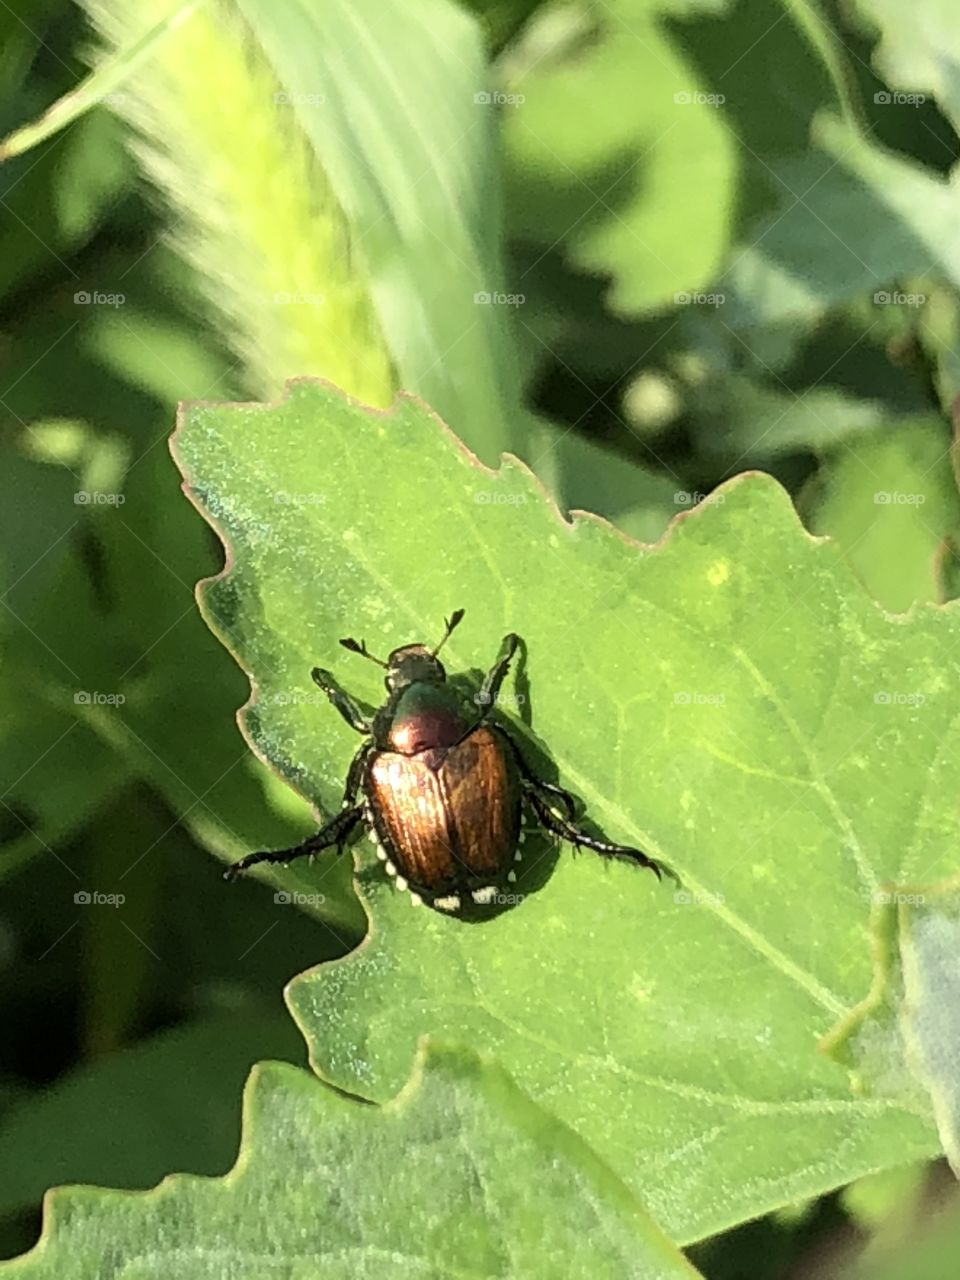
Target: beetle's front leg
348	706
490	689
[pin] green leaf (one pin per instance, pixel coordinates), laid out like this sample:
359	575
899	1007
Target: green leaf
128	1119
410	153
55	201
461	1174
921	926
746	420
851	218
891	503
918	49
584	475
928	1252
610	148
98	597
884	1204
939	335
55	772
930	949
730	701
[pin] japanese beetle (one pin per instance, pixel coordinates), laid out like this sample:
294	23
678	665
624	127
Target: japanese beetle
441	793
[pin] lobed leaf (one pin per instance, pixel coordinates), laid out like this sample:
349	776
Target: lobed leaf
460	1174
729	700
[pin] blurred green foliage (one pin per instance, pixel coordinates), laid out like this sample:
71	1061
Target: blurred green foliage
644	244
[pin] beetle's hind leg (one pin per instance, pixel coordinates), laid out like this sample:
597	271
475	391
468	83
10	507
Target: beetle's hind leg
552	796
334	832
549	791
568	830
545	798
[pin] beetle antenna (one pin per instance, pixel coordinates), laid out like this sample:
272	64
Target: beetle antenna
360	646
450	623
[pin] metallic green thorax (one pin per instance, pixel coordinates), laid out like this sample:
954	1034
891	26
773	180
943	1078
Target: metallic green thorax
423	715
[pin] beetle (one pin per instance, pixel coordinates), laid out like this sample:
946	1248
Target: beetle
439	792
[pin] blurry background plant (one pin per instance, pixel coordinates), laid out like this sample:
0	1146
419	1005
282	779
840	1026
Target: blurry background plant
643	244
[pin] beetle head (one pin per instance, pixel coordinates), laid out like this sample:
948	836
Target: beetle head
413	664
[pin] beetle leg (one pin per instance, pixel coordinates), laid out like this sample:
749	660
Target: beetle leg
569	831
355	775
334	832
495	677
348	707
548	790
552	795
